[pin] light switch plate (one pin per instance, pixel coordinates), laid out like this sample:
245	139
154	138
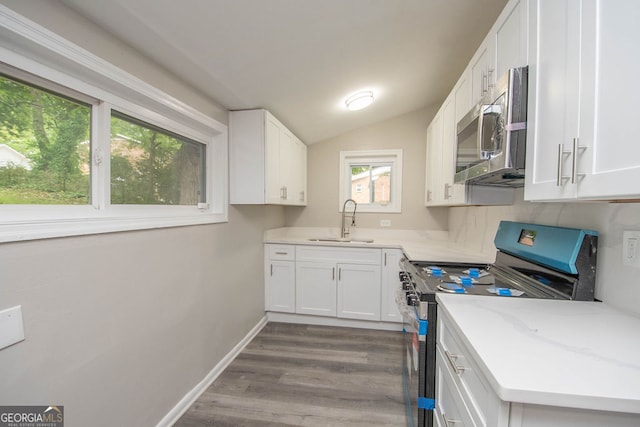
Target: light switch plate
11	326
385	223
631	248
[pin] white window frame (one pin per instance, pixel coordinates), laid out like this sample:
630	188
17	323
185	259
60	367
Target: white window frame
32	48
355	158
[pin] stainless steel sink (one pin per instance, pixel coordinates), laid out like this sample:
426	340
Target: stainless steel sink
340	240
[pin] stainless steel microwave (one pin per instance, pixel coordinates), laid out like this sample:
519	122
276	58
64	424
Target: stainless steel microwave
491	138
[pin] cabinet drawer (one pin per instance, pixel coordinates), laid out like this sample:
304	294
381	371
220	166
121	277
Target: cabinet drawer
335	254
450	407
483	403
282	252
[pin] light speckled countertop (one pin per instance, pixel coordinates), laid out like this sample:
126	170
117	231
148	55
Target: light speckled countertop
417	245
549	352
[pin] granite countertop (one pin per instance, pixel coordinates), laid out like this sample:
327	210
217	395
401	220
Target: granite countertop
548	352
417	245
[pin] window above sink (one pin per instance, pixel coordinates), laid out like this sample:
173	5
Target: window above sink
373	179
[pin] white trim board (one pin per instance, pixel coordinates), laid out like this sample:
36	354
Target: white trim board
185	403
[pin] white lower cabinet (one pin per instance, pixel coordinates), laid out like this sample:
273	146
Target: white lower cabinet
345	282
280	278
358	293
389	284
450	409
316	288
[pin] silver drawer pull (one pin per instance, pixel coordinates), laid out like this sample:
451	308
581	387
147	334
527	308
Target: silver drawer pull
282	253
452	360
448	422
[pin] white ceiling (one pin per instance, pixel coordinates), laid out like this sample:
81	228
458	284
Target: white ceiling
301	58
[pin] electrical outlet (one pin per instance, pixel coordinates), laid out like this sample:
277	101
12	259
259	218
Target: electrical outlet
11	327
385	223
631	248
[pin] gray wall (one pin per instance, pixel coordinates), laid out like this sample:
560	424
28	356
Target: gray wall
129	321
407	132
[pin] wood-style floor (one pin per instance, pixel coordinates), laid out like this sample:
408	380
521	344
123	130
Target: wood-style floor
301	375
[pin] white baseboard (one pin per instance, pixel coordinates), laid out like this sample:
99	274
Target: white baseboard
306	319
189	398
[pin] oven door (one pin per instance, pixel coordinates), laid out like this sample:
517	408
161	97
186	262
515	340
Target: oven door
414	368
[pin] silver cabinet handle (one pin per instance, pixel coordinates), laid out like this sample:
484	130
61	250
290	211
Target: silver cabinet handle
484	83
428	195
447	421
271	269
561	153
574	171
333	274
281	253
452	360
447	193
339	274
385	259
489	76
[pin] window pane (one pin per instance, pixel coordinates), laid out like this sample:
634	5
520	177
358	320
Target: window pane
381	184
44	146
371	184
360	178
151	166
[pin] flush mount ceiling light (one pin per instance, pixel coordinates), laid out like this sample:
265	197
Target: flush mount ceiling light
359	100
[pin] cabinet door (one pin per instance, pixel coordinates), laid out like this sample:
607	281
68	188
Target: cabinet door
554	76
358	293
511	39
297	187
316	288
483	70
286	167
280	286
449	148
390	284
433	185
610	97
274	190
450	407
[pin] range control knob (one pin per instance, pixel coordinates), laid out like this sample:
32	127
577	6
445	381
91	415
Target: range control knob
406	285
412	299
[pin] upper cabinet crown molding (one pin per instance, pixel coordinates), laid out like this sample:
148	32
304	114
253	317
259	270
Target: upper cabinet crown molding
268	163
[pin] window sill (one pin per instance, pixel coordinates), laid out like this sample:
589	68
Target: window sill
45	229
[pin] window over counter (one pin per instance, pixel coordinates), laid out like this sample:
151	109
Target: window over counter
88	148
373	179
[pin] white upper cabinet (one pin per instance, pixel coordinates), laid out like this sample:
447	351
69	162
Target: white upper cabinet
582	99
504	47
483	69
511	38
434	172
268	164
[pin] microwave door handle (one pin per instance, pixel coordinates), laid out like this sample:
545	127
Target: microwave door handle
480	126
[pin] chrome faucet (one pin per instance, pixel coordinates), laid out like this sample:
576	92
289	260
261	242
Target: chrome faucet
344	230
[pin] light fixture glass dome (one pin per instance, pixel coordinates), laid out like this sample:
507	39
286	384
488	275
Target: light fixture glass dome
359	100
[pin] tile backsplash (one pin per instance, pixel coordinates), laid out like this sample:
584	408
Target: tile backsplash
616	284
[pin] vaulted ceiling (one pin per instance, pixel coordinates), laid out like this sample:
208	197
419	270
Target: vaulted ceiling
301	58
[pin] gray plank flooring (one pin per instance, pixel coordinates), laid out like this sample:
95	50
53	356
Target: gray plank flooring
303	375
